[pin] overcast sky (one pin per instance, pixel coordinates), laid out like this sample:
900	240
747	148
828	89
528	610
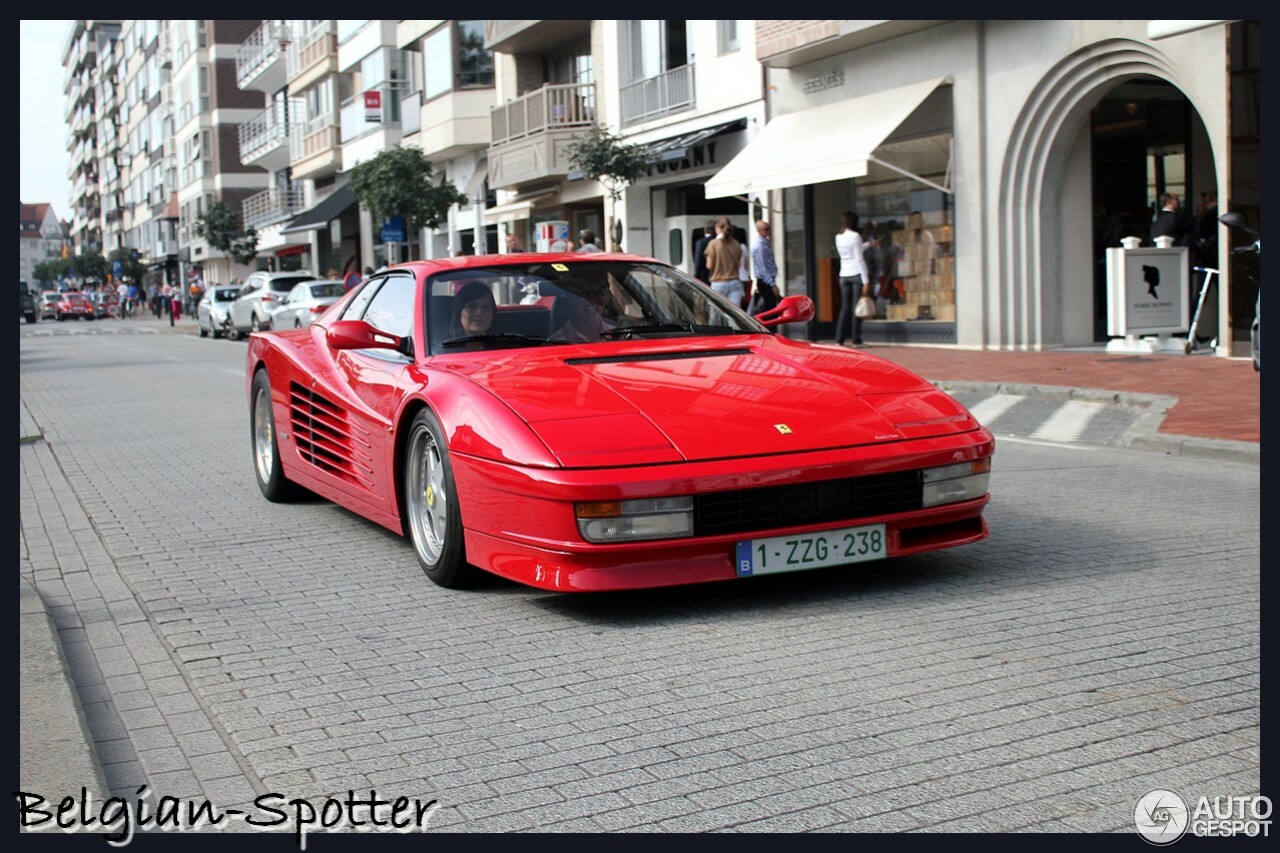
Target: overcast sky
42	131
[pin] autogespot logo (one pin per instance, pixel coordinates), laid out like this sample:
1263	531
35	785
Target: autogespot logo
1161	816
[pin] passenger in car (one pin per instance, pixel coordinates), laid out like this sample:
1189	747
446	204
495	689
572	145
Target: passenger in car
472	311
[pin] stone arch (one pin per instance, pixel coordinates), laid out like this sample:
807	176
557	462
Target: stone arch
1027	230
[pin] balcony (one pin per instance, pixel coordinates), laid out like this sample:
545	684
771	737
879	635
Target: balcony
666	93
315	150
260	60
533	36
264	138
271	206
450	124
532	133
312	57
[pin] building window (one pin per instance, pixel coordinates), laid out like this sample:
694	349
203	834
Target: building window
652	47
475	62
468	66
727	36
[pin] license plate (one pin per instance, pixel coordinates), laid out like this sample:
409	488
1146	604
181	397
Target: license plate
811	550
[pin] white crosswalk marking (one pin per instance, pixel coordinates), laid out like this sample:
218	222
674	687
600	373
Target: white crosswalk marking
993	407
1069	421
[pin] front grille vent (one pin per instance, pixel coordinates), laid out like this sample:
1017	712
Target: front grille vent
822	502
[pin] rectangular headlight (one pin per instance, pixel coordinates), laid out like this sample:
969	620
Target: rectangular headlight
953	483
635	520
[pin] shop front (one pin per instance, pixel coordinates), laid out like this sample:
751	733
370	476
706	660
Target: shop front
668	208
886	157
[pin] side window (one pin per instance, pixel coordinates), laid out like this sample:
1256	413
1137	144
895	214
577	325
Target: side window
359	302
391	308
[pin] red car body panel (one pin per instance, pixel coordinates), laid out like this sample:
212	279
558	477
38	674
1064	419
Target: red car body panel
530	431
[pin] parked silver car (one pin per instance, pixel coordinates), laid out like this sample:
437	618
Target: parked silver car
306	302
213	312
261	293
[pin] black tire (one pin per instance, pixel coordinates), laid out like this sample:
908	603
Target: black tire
263	446
31	318
233	334
432	518
204	333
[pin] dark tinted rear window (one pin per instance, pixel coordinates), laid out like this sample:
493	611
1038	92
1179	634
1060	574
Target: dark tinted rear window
284	285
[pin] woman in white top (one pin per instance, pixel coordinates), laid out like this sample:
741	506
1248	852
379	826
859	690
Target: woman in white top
853	277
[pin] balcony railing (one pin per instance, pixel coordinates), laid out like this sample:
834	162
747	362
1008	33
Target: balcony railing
554	106
315	44
260	49
269	127
668	92
271	205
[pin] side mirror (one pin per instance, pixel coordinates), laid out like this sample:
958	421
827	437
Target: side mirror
792	309
357	334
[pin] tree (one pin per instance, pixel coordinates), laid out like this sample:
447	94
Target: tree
220	226
603	157
48	272
398	182
90	266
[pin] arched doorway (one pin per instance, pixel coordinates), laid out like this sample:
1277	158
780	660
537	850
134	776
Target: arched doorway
1146	140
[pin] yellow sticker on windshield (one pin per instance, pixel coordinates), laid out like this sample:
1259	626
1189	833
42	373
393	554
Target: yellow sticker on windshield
559	268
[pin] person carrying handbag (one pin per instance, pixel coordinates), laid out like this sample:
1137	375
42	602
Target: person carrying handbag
854	283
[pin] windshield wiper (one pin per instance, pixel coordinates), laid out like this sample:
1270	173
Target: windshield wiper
643	328
504	337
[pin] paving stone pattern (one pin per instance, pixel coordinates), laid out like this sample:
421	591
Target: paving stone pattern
225	647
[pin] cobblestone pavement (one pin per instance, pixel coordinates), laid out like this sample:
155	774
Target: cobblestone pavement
1103	642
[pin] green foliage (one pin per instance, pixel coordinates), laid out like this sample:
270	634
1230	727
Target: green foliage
398	182
133	270
220	226
90	266
48	272
603	157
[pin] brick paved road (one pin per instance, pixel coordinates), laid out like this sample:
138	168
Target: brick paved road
1102	643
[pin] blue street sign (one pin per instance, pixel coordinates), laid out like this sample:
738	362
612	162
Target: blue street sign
393	230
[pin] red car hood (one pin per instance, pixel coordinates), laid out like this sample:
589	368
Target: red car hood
734	396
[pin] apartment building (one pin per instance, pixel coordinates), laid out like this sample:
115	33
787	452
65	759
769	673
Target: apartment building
328	228
445	114
549	79
264	141
209	108
692	93
85	41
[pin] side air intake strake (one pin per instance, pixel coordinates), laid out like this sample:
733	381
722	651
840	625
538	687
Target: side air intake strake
659	356
324	437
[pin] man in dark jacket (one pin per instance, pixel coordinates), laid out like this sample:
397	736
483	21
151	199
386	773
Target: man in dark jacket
700	269
1169	222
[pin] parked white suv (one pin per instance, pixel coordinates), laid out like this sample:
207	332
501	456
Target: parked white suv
262	292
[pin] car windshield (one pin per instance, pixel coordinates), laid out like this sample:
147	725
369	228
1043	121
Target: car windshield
226	295
542	303
327	290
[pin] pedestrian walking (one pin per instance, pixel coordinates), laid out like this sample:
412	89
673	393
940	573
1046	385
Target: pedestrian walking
724	258
852	276
700	270
766	294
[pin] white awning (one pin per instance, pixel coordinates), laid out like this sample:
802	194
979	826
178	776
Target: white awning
823	143
513	210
